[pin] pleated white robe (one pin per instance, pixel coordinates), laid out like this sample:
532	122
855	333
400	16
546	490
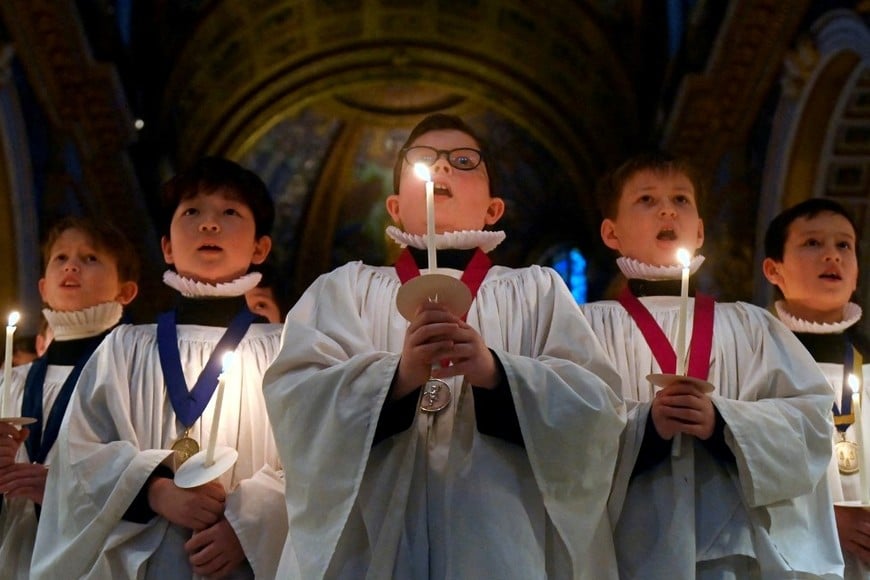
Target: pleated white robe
120	425
441	500
18	518
695	515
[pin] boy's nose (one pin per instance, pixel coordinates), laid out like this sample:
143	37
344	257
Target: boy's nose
667	209
209	226
441	165
72	266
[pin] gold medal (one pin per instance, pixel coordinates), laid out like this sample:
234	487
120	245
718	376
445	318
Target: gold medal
847	455
436	396
184	448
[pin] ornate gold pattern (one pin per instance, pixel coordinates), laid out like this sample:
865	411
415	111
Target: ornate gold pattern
715	110
250	63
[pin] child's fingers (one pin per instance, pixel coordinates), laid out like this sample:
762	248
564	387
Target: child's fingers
681	388
29	484
197	542
214	490
208	560
9	431
433	333
432	316
681	401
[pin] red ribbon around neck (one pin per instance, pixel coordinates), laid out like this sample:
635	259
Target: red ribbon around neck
472	277
702	334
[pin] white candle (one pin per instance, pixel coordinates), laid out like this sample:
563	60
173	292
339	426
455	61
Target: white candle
422	172
863	480
215	422
7	360
685	258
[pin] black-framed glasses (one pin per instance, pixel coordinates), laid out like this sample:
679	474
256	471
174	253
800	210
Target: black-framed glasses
464	158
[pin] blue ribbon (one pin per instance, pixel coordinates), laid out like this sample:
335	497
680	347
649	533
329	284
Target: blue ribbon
38	444
189	405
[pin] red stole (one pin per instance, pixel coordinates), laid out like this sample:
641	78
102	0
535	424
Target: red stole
472	277
702	334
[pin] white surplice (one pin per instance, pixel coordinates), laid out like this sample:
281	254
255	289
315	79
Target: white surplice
844	487
770	511
441	500
18	517
18	521
120	427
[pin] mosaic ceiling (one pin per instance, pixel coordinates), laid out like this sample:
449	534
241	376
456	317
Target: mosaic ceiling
317	95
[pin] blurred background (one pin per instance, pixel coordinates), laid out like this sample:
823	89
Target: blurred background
103	100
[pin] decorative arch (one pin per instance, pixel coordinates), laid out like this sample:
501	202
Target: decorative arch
335	90
820	140
248	64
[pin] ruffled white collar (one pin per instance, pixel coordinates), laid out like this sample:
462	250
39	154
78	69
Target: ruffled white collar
465	240
851	315
632	269
71	325
196	289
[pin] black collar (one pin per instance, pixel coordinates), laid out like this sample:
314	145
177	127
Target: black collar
210	311
642	288
830	348
456	259
68	352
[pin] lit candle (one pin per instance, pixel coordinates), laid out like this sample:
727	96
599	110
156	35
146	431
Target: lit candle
685	258
864	483
422	172
227	362
7	360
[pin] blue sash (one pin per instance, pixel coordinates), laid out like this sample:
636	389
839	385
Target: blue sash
189	405
39	443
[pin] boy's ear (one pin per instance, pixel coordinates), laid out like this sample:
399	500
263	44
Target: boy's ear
166	246
393	208
700	233
770	267
494	211
608	234
262	247
127	292
41	285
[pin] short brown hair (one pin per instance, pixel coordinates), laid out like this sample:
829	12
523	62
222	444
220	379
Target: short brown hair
104	236
611	185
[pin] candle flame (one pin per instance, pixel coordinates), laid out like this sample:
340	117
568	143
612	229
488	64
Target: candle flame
228	359
684	257
14	317
422	171
854	383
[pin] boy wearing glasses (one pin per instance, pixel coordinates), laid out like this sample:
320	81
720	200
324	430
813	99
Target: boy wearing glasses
508	476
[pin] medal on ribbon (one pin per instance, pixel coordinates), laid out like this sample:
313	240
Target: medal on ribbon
185	447
189	405
436	394
846	451
847	454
